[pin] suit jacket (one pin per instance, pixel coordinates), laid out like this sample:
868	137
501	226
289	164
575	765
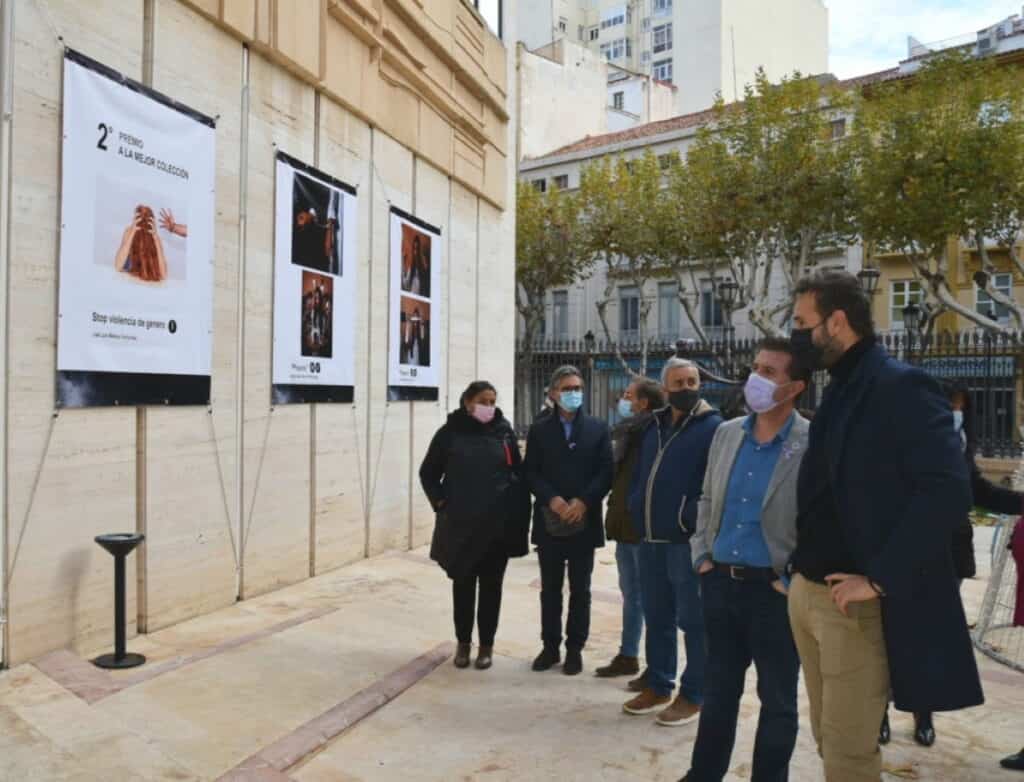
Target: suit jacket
580	467
779	508
901	488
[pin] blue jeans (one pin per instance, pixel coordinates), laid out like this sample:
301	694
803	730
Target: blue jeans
746	622
671	599
627	557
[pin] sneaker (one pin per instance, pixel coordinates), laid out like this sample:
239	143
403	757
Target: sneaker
1014	762
462	655
679	712
547	659
573	662
639	684
924	731
647	702
620	666
484	658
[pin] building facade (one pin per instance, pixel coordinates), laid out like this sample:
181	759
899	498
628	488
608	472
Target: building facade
704	47
414	105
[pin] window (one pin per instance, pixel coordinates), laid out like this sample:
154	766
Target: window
665	162
618	100
629	314
614	50
646	24
710	307
490	10
645	58
1003	283
613	17
595	33
540	185
902	293
661	7
838	127
668	310
563	25
561	182
662	37
560	314
662	70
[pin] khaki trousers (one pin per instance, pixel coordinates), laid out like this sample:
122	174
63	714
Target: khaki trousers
847	676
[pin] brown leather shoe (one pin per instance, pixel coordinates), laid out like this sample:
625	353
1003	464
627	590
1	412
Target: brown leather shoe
484	658
639	684
620	666
679	713
462	655
646	702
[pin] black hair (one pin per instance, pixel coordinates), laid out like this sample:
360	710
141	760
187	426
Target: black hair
474	388
797	370
650	391
837	290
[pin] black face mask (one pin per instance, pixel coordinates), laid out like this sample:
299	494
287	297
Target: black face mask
684	401
805	351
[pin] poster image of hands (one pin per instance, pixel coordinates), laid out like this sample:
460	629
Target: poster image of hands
136	259
414	355
314	285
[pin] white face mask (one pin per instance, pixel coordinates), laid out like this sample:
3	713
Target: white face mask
760	393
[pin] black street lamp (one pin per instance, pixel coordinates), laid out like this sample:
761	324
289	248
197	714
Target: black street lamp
589	341
912	322
727	292
869	277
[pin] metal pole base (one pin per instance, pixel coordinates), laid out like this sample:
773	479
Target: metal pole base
130	660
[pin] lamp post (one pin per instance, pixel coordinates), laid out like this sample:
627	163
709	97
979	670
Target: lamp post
912	322
869	277
728	290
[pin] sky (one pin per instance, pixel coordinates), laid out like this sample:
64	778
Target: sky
871	35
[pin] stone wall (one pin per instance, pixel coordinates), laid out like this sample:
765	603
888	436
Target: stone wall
408	102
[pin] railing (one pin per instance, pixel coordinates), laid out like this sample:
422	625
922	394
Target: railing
989	367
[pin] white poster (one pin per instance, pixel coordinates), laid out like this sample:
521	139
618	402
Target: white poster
136	249
414	348
314	285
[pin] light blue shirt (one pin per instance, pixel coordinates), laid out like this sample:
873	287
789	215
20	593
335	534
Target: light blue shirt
740	539
567	424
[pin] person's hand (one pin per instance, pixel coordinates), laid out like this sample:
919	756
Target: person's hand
705	567
559	507
848	589
577	511
779	587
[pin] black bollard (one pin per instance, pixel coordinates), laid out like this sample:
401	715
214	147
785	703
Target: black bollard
120	545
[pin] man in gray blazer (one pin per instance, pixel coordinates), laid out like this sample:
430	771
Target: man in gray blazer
746	531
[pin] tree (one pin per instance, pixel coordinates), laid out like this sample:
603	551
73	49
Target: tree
619	200
766	188
939	158
548	255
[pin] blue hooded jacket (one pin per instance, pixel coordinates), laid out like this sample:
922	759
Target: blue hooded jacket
669	475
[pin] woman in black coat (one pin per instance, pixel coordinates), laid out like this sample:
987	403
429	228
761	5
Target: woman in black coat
987	496
471	474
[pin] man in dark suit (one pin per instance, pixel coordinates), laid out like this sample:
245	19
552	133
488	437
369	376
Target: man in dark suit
874	600
569	470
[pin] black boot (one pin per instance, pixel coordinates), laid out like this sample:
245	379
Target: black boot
547	659
1014	762
924	731
884	733
573	662
462	655
484	658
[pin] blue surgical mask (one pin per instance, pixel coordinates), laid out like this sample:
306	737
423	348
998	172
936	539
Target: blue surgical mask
958	419
571	401
625	408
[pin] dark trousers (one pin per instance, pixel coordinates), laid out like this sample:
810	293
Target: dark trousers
553	561
489	573
746	622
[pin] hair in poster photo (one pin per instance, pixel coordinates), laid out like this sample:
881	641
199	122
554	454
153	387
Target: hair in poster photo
317	315
316	225
415	261
414	332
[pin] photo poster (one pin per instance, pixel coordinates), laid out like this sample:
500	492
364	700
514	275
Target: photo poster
314	285
135	302
415	313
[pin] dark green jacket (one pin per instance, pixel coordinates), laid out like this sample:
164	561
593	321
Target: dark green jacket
626	438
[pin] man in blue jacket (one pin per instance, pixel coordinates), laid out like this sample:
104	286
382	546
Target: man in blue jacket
569	470
663	506
874	603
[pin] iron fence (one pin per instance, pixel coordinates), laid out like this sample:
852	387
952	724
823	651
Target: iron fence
989	366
